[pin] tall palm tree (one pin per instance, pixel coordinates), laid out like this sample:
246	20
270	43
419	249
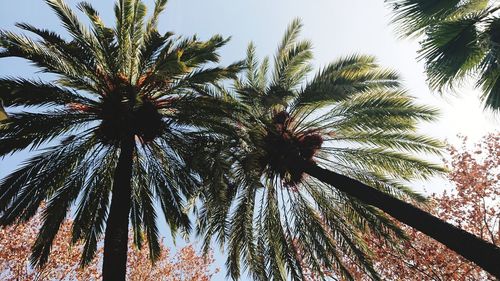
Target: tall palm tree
315	163
118	121
461	39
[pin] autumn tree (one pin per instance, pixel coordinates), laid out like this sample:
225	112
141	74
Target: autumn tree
64	264
472	205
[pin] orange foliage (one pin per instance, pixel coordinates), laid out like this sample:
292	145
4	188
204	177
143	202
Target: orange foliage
473	206
63	264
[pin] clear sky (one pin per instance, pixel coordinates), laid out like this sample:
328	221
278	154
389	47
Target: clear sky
335	27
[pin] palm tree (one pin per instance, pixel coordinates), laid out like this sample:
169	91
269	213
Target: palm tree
460	40
119	121
315	163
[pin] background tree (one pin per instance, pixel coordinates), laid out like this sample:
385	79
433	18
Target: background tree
473	205
125	108
460	40
63	263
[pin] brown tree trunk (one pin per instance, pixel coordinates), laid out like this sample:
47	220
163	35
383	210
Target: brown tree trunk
471	247
114	266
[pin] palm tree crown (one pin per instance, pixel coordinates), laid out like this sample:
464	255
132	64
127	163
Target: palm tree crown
461	39
125	108
351	117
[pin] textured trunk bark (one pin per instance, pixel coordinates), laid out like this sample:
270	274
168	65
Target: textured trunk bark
114	266
471	247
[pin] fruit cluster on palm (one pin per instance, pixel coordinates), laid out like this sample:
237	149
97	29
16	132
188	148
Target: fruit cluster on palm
461	39
284	170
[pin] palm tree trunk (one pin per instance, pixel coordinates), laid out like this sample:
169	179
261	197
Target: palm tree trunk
471	247
114	266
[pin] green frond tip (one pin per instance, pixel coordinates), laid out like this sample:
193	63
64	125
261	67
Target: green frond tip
153	21
291	34
70	21
3	114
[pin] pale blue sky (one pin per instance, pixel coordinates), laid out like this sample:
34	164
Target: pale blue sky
335	27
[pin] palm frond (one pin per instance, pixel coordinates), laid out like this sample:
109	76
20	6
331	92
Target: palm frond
395	164
212	75
23	92
143	197
76	29
490	77
104	37
153	21
22	46
22	130
56	211
458	42
412	16
92	207
451	51
41	176
3	114
345	77
123	14
136	37
171	183
291	65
